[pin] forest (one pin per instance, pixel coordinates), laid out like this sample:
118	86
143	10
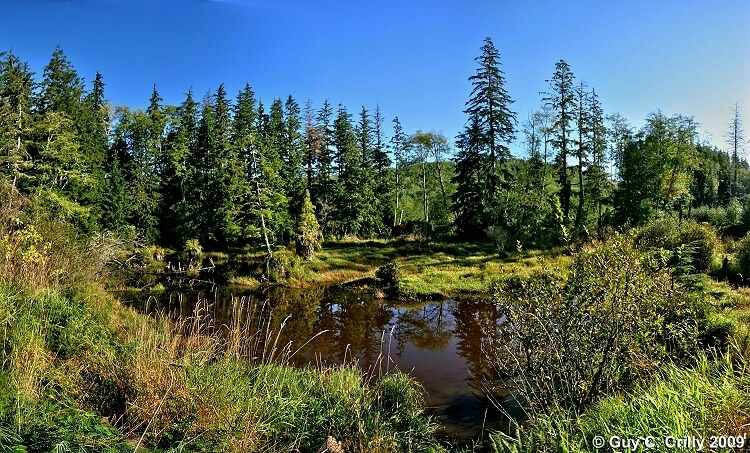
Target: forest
234	172
644	233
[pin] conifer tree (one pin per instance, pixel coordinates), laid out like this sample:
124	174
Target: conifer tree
132	134
596	176
490	104
93	124
582	146
245	139
268	204
308	230
116	204
484	146
348	187
735	139
400	151
382	163
61	87
174	179
313	143
469	201
292	155
324	193
16	87
217	170
370	218
65	176
561	101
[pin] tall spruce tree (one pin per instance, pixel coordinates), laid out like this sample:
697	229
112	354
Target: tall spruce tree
93	124
582	120
371	221
561	100
349	195
490	104
483	146
246	140
174	179
324	193
269	204
292	155
597	184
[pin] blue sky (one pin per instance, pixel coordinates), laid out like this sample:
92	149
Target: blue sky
410	57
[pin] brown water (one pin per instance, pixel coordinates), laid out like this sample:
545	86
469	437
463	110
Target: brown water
438	343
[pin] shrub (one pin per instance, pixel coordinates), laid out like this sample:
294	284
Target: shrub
742	256
709	398
389	275
699	238
618	315
193	248
657	234
499	236
706	244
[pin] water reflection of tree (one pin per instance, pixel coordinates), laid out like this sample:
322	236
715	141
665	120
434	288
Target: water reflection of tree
425	327
473	319
360	323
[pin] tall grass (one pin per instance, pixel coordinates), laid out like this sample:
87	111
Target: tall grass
710	399
81	372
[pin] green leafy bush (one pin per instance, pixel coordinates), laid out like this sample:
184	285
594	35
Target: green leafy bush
667	234
742	256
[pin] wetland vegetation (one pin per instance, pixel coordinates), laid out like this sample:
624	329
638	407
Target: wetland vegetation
216	276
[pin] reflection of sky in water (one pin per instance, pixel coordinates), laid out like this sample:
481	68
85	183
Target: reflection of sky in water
439	343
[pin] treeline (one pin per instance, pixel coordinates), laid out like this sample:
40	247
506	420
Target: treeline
232	171
224	171
587	173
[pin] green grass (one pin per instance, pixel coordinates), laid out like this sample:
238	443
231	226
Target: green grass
83	372
713	398
427	269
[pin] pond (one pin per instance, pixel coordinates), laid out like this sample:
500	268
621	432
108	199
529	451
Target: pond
439	343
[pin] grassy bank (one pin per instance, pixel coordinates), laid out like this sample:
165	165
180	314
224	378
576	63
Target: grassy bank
426	269
81	372
710	399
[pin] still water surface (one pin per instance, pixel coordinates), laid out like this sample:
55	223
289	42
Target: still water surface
438	343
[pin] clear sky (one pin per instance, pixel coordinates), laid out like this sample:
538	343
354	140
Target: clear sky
410	57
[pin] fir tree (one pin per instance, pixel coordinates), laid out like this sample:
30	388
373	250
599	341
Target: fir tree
308	230
561	100
483	144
